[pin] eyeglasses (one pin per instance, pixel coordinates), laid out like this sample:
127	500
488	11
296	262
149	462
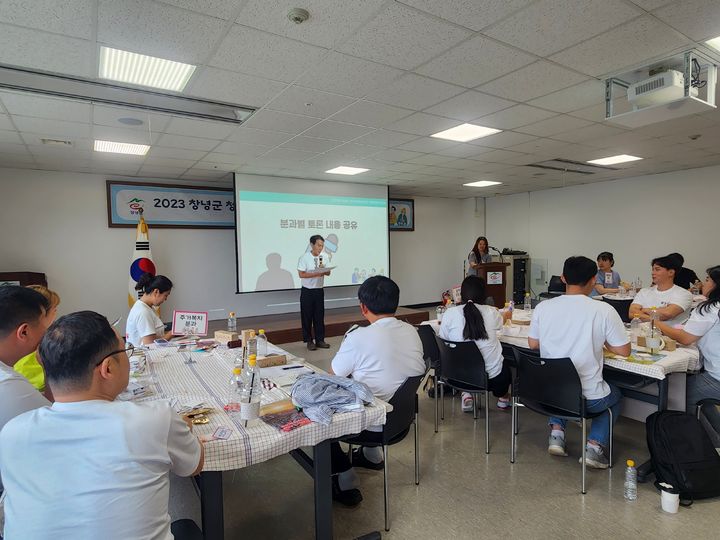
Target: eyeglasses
127	350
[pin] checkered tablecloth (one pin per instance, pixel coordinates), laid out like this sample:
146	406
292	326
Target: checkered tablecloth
208	381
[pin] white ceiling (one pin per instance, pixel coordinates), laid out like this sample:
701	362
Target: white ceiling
361	83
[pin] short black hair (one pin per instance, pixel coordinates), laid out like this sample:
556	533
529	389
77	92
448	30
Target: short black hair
578	270
20	305
669	262
606	256
315	237
73	346
148	283
380	295
680	258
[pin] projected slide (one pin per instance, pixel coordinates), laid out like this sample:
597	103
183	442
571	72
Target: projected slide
274	228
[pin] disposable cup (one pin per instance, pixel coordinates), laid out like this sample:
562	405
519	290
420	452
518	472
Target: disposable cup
670	501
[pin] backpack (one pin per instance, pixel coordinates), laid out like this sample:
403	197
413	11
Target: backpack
683	455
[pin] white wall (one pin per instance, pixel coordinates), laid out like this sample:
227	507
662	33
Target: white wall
636	219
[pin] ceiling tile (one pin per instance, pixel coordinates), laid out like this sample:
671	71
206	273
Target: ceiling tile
651	4
10	137
467	12
383	137
403	38
697	19
415	92
532	81
576	97
231	159
160	152
369	113
191	143
506	156
42	107
588	133
562	23
542	147
519	115
289	154
200	128
476	61
222	9
259	136
431	159
71	17
428	144
157	30
161	172
279	121
339	131
299	100
310	144
504	139
470	105
423	124
5	121
396	155
71	56
623	47
109	116
235	88
328	22
134	136
78	145
347	75
264	55
463	150
244	150
53	128
351	150
551	126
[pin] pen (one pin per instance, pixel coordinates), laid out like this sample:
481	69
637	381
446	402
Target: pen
293	367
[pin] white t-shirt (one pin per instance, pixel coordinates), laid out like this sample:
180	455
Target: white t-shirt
309	263
651	297
381	355
453	323
707	325
143	321
575	326
94	469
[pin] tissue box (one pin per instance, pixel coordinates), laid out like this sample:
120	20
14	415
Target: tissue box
275	360
223	336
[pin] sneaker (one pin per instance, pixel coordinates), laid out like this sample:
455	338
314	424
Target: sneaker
556	446
503	404
595	457
311	346
467	402
322	345
348	497
359	460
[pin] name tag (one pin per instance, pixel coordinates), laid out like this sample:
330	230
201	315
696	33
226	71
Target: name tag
608	278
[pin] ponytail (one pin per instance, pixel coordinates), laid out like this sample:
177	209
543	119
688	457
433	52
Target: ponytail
474	323
148	283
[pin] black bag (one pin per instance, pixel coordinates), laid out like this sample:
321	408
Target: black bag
683	455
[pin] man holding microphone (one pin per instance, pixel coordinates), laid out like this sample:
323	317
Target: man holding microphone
311	269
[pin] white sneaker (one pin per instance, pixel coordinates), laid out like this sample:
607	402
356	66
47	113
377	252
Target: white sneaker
467	402
556	445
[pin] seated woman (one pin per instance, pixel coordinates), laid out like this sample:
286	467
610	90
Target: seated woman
28	366
478	255
669	302
476	322
703	328
607	280
143	324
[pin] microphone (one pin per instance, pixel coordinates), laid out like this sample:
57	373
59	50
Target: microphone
498	252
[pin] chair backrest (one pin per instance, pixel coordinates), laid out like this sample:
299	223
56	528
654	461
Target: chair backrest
430	348
548	382
404	403
622	306
556	285
462	362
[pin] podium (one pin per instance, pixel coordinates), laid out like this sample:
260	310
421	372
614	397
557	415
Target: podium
495	279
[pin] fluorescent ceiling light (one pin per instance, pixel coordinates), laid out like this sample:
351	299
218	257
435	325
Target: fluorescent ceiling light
121	148
714	43
347	170
482	183
614	160
133	68
465	132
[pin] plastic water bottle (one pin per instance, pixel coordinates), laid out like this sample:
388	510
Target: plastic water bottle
251	345
232	322
262	343
630	481
234	393
635	329
251	391
527	304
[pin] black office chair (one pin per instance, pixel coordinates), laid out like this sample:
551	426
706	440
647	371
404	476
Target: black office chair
462	366
397	425
552	387
186	529
621	305
710	402
556	287
431	354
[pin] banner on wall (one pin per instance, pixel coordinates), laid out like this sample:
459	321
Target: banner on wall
169	205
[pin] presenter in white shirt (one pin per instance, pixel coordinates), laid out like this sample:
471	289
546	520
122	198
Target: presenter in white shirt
703	328
381	355
577	327
312	296
143	325
90	466
672	302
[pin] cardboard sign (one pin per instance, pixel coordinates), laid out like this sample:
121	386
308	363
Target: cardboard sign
190	322
494	278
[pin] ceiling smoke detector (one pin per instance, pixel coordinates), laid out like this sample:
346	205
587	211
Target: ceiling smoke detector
298	15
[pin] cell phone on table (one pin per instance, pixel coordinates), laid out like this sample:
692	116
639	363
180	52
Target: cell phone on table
161	342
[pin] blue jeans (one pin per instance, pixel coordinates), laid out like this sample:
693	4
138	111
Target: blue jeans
600	428
703	386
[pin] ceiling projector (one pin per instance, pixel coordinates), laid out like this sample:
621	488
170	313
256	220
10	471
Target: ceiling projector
661	88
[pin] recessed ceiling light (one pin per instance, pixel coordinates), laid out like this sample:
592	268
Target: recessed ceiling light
121	148
714	43
482	183
614	160
133	68
465	132
347	170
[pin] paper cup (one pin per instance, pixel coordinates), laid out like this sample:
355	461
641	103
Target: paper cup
670	501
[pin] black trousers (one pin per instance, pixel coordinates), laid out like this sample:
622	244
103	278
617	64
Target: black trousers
500	384
312	314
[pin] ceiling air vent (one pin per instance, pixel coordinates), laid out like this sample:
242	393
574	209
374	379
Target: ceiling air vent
56	142
567	165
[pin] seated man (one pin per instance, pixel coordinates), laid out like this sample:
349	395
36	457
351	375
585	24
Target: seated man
382	356
671	301
575	326
685	277
90	466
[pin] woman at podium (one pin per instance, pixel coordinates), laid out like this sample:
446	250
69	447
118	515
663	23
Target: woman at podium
480	254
